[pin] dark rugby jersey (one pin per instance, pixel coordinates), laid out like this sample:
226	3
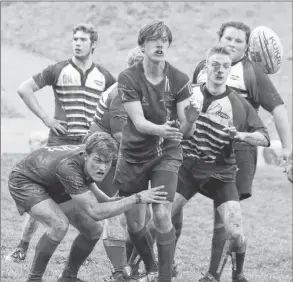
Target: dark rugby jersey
57	168
159	105
248	80
209	142
76	93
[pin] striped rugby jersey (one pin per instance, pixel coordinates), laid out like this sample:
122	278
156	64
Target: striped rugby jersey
209	142
159	104
248	80
76	93
110	108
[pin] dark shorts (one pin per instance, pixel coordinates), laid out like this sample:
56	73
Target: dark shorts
219	186
26	193
246	161
132	178
54	140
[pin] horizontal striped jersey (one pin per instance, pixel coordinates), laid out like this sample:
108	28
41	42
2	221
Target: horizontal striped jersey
110	114
60	169
209	142
159	104
76	93
248	80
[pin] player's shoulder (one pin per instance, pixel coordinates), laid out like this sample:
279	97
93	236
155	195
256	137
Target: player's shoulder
57	67
176	73
103	70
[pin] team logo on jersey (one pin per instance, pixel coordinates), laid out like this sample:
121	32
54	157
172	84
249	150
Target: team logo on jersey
67	79
234	77
99	83
222	115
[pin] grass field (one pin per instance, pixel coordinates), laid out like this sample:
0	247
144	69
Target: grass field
43	29
267	223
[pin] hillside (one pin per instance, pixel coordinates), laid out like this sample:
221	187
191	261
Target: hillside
46	29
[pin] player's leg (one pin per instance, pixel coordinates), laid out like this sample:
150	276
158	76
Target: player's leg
34	199
227	204
29	228
165	173
90	232
132	178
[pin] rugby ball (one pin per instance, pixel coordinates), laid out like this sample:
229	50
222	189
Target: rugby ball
265	49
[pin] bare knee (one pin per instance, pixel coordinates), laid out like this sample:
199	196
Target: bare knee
58	229
162	217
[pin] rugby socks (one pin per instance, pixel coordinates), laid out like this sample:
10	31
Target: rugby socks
177	221
144	245
116	253
219	252
43	253
80	250
129	248
166	248
238	257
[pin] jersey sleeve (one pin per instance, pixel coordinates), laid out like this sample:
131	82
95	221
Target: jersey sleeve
198	70
185	91
253	120
46	76
126	88
72	178
268	96
118	115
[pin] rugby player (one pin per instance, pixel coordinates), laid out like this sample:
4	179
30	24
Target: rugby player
154	94
77	84
248	80
56	186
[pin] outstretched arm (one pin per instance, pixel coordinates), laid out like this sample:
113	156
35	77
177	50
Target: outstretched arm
99	211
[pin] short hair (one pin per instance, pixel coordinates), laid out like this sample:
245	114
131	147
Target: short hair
218	49
150	29
87	28
103	144
135	55
237	25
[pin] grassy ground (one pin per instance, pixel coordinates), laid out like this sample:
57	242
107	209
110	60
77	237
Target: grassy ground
267	223
44	28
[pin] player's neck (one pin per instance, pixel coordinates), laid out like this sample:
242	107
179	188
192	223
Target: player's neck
154	71
84	63
215	89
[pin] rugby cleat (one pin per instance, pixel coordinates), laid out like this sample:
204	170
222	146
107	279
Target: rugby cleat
18	255
238	277
149	277
131	270
207	278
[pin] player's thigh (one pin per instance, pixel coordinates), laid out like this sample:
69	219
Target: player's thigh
226	202
247	163
81	220
165	172
25	193
49	214
179	203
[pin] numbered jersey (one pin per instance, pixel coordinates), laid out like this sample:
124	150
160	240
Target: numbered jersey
57	168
